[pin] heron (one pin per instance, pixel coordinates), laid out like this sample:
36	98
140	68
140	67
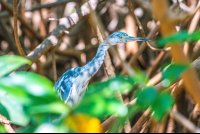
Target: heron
72	85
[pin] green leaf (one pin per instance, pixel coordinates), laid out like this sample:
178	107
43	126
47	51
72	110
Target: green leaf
15	111
9	63
161	105
146	97
140	77
121	83
17	94
31	93
99	106
28	88
179	38
54	107
172	72
2	129
3	111
50	128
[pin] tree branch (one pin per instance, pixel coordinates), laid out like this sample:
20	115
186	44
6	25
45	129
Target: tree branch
65	24
15	14
6	124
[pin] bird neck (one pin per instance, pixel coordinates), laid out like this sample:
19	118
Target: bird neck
93	66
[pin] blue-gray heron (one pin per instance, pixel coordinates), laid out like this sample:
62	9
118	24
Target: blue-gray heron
72	84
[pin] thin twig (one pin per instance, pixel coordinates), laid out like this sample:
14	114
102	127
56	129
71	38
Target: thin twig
138	125
69	53
185	122
3	121
155	64
59	59
191	29
162	125
23	22
39	7
171	124
141	48
146	127
8	37
142	30
15	14
154	126
54	65
146	5
6	123
19	3
76	53
43	31
106	125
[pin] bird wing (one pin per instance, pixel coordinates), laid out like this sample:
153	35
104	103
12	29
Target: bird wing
67	86
64	85
66	82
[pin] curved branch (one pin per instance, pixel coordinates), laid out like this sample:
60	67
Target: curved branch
65	24
15	14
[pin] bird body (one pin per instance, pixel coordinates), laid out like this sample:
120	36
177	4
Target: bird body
72	84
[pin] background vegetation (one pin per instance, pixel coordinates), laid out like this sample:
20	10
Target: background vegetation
142	86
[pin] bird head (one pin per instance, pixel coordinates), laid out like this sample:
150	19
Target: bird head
120	37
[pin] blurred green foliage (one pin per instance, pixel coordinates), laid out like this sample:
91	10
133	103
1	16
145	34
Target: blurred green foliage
180	37
161	105
172	72
10	63
146	97
27	99
100	99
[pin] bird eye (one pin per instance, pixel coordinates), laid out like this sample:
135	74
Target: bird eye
120	37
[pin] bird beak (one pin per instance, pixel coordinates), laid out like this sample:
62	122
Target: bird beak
130	38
